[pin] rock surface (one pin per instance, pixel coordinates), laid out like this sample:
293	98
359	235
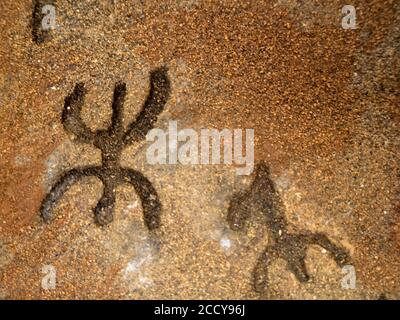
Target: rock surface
324	106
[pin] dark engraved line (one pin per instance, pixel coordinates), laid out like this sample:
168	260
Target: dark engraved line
38	34
148	196
117	108
63	184
71	116
111	143
290	247
154	105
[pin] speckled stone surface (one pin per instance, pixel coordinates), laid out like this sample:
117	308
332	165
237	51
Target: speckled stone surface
324	105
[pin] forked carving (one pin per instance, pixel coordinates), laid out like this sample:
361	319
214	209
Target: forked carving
111	142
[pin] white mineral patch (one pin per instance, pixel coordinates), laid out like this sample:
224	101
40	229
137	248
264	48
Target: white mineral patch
136	264
225	243
128	209
135	272
228	241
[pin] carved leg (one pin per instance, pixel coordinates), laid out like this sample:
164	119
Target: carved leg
62	185
340	255
148	196
71	116
104	211
299	269
117	107
293	248
260	273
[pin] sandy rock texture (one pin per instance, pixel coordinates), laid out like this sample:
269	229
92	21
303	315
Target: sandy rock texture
324	106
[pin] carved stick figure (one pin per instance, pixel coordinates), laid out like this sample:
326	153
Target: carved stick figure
111	142
290	247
